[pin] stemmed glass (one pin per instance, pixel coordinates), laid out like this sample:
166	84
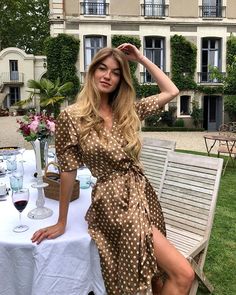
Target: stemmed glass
20	199
22	150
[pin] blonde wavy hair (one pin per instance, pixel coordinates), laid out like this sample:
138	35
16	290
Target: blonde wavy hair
121	101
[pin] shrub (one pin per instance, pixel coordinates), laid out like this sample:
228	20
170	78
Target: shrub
179	123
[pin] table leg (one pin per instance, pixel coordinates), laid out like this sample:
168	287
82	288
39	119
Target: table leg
209	149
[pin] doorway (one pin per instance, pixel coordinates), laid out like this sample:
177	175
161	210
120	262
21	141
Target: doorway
212	112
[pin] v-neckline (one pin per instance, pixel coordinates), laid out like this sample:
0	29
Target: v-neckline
112	126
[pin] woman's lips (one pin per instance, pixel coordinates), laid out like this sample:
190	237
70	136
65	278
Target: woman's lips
105	83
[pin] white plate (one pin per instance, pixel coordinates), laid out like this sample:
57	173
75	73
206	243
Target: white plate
9	150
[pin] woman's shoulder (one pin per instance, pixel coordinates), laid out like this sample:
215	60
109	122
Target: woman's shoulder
71	111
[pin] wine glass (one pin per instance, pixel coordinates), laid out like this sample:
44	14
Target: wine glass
16	178
20	199
22	150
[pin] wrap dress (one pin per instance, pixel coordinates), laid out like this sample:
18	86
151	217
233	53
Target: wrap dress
124	205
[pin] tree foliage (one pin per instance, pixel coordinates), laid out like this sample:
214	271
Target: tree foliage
24	24
230	106
62	53
51	94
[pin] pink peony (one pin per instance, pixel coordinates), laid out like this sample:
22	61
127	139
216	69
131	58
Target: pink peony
34	125
51	126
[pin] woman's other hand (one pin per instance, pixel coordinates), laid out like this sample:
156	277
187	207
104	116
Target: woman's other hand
50	232
132	53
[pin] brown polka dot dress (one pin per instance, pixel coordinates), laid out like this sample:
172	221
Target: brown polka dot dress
124	204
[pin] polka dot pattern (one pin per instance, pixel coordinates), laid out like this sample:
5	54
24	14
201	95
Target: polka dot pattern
124	205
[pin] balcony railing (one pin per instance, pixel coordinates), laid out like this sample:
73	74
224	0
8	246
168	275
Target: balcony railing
12	78
154	10
94	8
145	77
216	11
206	77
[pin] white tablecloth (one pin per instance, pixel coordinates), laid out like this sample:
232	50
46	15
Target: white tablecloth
68	265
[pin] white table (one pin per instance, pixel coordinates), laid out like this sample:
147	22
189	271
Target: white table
68	265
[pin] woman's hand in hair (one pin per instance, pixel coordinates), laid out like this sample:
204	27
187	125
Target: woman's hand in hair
132	53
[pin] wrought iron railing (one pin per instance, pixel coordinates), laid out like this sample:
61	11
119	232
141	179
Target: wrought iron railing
154	10
207	77
145	77
212	11
94	8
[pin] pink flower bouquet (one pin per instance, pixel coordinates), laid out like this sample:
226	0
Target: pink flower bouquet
37	126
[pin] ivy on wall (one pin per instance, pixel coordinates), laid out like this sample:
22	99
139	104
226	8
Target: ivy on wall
230	81
210	90
183	62
62	53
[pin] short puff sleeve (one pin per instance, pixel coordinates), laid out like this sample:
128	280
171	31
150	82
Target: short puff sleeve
147	106
68	150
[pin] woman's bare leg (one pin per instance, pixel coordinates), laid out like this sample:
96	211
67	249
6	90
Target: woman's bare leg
179	271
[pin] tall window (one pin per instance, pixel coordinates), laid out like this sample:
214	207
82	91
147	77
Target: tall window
185	105
154	50
211	57
14	95
95	7
92	45
154	7
211	8
14	75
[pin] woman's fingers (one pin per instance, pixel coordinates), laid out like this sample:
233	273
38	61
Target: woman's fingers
51	232
131	52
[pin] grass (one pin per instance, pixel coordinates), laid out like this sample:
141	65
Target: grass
220	265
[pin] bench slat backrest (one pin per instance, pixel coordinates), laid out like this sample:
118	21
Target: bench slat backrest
188	192
153	157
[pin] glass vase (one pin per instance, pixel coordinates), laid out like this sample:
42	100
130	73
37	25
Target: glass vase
41	155
44	143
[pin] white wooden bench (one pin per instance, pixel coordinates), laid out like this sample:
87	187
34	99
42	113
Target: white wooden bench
188	194
153	158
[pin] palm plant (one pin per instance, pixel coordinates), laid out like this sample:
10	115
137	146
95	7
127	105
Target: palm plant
51	94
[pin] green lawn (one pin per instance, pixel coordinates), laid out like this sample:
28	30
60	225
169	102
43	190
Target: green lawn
220	265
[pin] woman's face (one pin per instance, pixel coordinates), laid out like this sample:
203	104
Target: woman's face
107	75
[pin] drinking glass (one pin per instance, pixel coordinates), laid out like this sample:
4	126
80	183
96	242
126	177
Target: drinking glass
85	181
20	199
11	163
16	178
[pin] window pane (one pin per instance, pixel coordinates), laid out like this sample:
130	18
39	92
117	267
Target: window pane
14	95
158	43
148	42
205	43
92	45
185	105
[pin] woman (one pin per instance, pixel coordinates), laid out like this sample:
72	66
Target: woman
125	218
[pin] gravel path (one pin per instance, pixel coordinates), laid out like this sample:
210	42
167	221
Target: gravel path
192	141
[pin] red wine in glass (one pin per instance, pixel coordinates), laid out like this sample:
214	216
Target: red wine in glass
20	200
20	205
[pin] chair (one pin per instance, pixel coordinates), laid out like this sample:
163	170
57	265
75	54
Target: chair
153	157
228	146
188	194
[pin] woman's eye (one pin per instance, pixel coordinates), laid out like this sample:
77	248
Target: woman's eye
102	68
116	73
